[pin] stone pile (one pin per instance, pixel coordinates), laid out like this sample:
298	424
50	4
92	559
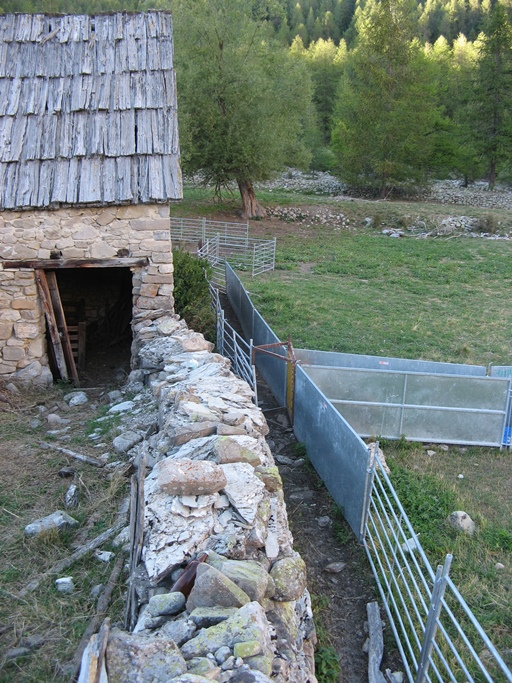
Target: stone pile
213	493
308	217
476	194
316	182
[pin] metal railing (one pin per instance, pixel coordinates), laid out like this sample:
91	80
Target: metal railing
437	634
231	345
195	230
249	253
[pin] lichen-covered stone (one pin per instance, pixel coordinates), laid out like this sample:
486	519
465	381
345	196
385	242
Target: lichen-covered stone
249	648
289	576
270	477
166	604
249	575
142	659
212	588
249	623
204	617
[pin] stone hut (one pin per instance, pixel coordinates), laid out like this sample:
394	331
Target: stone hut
89	161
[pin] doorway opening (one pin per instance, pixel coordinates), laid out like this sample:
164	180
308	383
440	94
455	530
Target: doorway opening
98	303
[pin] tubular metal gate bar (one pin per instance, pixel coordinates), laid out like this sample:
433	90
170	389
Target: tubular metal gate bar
438	636
248	253
233	346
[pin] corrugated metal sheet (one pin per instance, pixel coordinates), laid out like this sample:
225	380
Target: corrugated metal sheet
87	110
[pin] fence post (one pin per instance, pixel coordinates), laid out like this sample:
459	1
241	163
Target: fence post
368	488
436	603
203	230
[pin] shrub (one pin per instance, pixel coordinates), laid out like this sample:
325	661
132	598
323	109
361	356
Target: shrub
191	293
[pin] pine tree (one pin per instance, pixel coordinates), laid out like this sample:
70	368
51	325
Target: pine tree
386	113
491	110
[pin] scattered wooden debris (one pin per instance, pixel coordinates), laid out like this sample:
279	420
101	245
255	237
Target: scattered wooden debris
72	454
78	554
92	664
136	539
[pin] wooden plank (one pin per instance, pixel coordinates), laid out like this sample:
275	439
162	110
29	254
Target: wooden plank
50	264
51	278
376	644
44	293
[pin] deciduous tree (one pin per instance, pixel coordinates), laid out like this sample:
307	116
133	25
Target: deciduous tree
244	102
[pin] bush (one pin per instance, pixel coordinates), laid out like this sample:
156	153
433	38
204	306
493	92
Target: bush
191	293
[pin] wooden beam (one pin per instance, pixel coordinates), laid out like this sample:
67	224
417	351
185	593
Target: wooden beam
51	264
44	293
60	317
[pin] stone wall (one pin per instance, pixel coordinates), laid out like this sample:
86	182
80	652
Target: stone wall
211	485
133	231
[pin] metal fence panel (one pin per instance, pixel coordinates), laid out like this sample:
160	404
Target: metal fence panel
479	393
272	369
422	407
438	636
501	371
335	450
355	360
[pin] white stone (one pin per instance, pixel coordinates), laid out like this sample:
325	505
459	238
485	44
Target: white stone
123	407
65	584
461	521
243	489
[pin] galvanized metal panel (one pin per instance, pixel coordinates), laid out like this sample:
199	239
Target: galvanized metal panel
335	450
271	369
501	371
423	407
476	428
371	420
354	360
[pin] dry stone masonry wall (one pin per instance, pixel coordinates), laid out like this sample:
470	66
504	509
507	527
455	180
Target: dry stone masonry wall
134	231
212	487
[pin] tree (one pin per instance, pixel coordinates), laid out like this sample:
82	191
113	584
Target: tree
492	95
243	102
386	115
325	64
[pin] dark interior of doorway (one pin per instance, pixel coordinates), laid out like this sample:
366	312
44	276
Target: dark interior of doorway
102	299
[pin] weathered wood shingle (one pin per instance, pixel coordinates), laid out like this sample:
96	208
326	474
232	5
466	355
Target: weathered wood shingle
87	110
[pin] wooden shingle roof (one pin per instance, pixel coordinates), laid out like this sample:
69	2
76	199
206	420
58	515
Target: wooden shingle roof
87	110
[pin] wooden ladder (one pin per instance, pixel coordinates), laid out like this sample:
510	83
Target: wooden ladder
59	334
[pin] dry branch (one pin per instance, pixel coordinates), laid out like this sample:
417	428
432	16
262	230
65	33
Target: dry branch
78	554
72	454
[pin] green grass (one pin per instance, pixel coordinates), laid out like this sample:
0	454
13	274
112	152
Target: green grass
327	664
432	299
31	489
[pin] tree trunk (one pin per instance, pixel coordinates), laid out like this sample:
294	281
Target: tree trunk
492	173
251	208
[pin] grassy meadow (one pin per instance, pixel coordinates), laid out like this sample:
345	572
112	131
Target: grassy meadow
443	299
